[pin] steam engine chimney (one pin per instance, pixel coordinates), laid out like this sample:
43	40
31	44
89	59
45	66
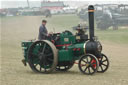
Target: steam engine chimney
91	22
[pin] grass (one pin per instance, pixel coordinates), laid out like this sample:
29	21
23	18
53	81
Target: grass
117	36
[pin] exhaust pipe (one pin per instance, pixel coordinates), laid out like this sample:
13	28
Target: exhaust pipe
91	22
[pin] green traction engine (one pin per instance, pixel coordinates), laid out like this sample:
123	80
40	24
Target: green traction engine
60	51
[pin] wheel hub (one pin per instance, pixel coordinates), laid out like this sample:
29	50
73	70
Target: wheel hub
100	63
88	64
41	56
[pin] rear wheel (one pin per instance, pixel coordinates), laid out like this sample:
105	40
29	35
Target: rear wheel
88	64
103	64
42	56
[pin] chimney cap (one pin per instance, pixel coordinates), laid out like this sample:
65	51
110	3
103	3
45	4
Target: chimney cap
90	7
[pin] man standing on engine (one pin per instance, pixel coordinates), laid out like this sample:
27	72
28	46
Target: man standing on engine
43	33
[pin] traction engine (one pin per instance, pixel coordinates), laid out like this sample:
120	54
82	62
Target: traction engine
60	51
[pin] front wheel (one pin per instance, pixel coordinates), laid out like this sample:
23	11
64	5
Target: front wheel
103	64
88	64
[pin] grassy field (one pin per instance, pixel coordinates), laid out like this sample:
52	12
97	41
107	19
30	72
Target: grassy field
16	29
117	36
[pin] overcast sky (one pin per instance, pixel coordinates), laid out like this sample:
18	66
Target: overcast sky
7	5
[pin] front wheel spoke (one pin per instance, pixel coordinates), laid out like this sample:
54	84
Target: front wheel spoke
104	64
84	61
101	67
104	60
85	69
101	58
91	60
89	69
92	68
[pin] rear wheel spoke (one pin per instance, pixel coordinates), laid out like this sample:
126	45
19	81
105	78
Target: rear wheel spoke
50	59
40	68
36	65
33	55
87	59
44	48
44	63
49	54
45	70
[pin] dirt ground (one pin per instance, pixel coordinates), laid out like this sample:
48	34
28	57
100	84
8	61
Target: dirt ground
13	72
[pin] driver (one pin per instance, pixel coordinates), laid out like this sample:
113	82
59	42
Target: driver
43	33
